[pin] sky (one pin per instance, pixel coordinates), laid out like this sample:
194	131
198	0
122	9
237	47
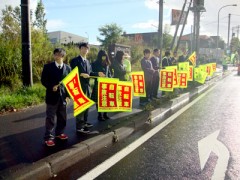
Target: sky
83	17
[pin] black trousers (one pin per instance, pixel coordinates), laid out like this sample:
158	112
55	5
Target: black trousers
59	110
155	85
148	88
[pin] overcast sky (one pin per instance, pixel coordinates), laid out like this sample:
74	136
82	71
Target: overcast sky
85	17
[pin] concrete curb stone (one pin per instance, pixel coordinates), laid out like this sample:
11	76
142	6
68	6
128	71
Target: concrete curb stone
66	158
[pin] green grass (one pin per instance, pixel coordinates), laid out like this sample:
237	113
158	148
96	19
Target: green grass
21	97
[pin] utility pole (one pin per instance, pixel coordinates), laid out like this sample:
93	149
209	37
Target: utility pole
229	21
177	26
185	21
26	44
198	6
160	29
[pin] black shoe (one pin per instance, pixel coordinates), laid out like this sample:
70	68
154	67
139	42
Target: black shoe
100	118
105	116
83	130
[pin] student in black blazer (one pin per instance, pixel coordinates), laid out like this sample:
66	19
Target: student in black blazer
56	96
85	70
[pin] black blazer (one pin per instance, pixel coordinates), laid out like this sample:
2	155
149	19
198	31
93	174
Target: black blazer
78	61
147	69
50	78
155	63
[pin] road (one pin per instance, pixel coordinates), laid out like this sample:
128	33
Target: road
201	143
21	134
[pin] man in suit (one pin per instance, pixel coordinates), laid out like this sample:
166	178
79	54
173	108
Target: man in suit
155	81
56	96
85	70
148	70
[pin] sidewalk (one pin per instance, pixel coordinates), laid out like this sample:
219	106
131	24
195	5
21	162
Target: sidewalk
24	156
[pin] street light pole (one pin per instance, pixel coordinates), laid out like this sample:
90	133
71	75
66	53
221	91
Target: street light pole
218	20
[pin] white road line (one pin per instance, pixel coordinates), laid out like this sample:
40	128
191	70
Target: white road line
98	170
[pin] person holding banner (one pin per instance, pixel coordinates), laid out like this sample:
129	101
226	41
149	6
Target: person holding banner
85	71
166	61
56	97
148	70
155	81
174	58
101	64
118	67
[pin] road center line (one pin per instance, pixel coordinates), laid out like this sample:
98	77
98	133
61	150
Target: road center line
99	169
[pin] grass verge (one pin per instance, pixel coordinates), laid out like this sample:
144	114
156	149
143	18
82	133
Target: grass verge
11	100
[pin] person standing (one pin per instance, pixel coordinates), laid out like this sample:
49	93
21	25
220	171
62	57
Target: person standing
56	97
127	65
166	61
101	64
148	76
118	67
174	58
85	70
156	77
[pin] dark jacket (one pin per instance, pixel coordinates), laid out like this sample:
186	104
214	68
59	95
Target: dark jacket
78	61
98	67
50	77
155	63
166	61
119	71
147	69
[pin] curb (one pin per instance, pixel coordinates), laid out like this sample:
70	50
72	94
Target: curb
50	166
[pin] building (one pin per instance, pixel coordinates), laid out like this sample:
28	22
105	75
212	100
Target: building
65	37
149	38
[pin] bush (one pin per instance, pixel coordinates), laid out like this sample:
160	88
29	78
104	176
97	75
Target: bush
21	97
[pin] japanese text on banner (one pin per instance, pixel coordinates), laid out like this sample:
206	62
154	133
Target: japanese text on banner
107	94
72	84
138	84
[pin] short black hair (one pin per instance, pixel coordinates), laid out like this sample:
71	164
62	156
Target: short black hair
60	51
83	44
146	51
167	53
119	56
155	50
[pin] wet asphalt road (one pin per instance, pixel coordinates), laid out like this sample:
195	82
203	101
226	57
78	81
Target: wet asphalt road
21	134
173	152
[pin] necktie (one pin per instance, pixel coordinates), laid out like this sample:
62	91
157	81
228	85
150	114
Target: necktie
84	64
59	67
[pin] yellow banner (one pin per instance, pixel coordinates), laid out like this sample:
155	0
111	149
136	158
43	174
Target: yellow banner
184	66
125	96
209	69
190	75
214	67
166	80
199	75
193	58
182	76
72	84
138	83
107	94
175	76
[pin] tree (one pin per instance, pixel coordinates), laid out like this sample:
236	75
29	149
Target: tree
40	21
235	45
10	46
167	39
111	34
